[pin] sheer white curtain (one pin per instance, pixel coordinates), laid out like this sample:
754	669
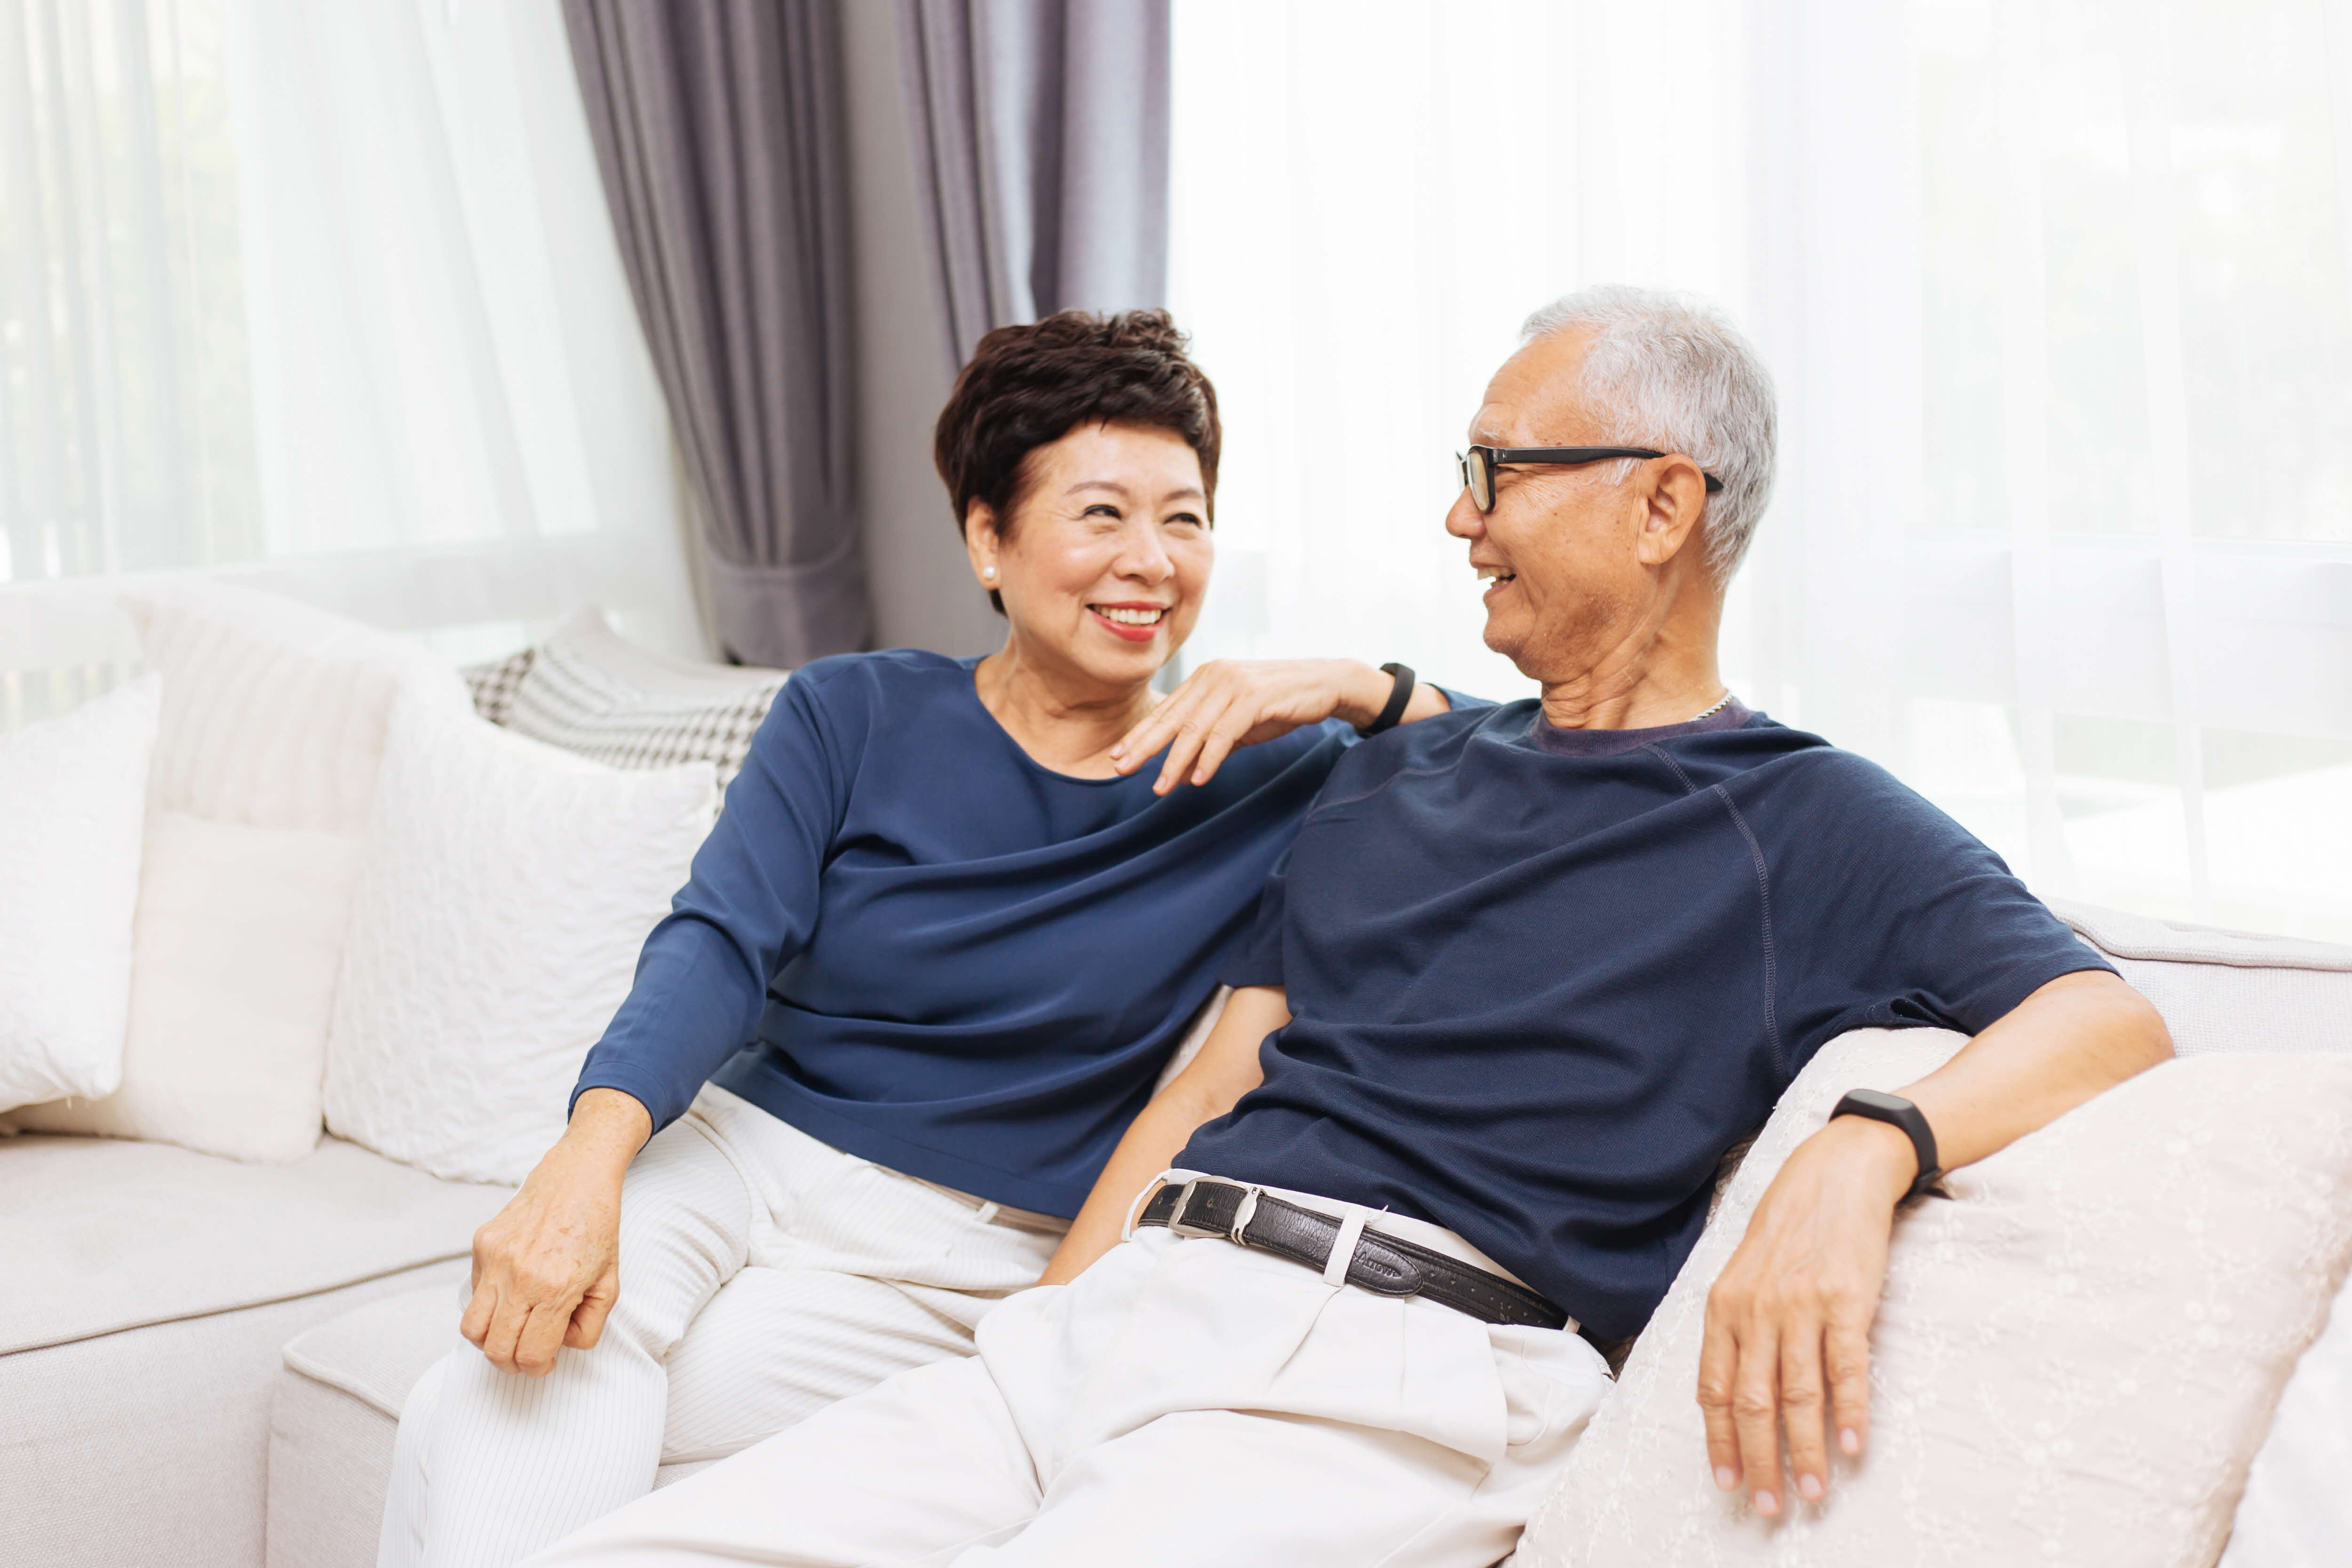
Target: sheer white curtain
2059	297
321	297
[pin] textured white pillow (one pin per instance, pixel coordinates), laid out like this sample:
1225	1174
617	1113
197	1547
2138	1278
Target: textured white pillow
265	769
72	800
2074	1361
239	933
268	717
506	891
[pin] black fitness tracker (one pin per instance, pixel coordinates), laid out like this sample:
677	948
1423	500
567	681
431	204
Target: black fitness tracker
1399	695
1897	1112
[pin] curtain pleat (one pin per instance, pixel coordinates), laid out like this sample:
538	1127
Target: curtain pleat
1039	134
718	127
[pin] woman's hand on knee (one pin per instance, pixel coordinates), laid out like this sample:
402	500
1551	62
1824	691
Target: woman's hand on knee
546	1268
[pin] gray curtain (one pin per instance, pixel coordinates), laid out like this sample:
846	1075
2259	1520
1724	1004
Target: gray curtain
718	133
1039	130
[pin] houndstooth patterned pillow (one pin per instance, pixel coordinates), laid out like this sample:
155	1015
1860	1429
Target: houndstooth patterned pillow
567	699
493	685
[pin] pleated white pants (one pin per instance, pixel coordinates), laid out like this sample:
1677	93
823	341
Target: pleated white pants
764	1275
1185	1404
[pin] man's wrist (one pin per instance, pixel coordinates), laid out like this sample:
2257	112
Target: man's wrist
1881	1154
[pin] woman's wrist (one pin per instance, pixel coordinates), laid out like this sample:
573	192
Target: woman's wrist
608	1126
1363	693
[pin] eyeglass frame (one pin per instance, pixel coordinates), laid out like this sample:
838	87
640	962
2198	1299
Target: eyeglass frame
1489	458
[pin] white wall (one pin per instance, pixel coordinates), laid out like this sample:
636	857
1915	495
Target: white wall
922	590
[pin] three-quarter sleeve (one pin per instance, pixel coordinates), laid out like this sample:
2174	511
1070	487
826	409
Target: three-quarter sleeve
747	909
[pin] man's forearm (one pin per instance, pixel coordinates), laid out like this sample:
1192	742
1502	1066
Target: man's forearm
1226	1070
2076	1037
1152	1144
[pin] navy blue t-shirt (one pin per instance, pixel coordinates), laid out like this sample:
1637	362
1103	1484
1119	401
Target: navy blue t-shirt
945	958
1540	979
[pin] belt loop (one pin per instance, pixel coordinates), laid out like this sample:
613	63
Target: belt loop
1343	1248
1126	1231
1243	1213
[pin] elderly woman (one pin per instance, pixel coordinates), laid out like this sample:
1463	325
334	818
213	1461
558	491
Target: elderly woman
941	944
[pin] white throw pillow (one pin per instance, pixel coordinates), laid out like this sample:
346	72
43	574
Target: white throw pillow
239	933
2073	1360
506	890
72	802
265	770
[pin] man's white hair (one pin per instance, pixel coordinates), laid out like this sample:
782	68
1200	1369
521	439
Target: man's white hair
1671	372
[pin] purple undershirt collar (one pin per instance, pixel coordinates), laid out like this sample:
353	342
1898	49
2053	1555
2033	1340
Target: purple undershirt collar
1609	743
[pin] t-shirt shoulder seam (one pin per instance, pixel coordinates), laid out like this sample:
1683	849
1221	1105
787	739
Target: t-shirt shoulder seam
1322	805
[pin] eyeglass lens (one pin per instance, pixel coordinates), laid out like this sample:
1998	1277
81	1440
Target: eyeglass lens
1477	477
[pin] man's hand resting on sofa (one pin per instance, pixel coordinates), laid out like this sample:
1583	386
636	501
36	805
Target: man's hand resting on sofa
1787	1322
546	1268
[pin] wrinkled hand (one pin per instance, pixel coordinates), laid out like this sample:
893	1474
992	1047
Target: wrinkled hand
546	1268
1230	702
1787	1322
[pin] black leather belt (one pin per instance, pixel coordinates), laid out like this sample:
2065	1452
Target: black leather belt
1383	1264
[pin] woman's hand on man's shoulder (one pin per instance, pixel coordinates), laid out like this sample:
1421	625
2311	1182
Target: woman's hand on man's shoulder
1229	702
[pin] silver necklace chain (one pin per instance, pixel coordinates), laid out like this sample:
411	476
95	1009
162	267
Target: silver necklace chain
1721	704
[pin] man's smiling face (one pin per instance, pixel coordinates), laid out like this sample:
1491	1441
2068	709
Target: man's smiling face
1561	551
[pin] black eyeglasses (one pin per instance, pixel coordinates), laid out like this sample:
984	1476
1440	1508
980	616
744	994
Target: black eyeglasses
1478	464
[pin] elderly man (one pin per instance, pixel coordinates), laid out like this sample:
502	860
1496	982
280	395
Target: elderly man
1530	971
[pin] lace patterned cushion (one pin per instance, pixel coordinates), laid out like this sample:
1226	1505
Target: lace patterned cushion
2074	1361
568	698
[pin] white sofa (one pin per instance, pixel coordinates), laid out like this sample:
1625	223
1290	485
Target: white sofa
203	1362
147	1297
151	1298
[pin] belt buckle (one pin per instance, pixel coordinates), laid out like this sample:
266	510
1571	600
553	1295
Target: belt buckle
1241	1215
1176	1225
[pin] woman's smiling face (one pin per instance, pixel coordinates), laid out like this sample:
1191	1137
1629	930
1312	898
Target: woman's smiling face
1103	569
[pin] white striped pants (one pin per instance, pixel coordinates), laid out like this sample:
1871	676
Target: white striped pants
764	1275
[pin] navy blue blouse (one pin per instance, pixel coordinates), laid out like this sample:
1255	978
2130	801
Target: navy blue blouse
906	938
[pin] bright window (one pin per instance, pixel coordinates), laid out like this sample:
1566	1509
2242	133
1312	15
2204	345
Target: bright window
2059	300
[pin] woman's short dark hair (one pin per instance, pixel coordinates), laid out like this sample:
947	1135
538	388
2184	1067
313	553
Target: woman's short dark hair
1028	386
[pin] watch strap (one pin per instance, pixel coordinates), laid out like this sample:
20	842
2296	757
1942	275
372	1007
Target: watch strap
1899	1113
1400	695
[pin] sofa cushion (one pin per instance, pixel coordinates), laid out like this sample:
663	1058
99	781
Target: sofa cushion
148	1446
102	1233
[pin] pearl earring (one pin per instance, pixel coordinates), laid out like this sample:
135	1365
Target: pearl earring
988	571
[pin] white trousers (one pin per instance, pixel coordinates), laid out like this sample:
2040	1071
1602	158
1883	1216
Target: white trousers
764	1275
1185	1404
